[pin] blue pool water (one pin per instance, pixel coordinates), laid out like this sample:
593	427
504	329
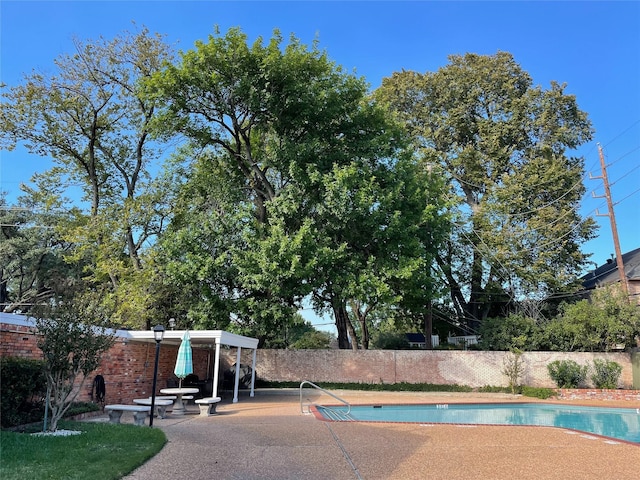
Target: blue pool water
619	423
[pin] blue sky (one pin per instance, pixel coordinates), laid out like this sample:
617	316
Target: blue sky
592	46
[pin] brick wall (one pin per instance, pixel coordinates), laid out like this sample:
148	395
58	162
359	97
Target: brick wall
18	341
597	394
128	367
471	368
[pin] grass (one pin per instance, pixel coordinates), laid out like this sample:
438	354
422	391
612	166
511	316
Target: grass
102	452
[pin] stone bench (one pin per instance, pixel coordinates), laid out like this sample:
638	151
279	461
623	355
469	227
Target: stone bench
160	405
207	405
115	412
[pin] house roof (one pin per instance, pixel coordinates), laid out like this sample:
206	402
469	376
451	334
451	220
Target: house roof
608	273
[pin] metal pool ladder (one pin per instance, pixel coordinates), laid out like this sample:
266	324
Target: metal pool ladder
337	413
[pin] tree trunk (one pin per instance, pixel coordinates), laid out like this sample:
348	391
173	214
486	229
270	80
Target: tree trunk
4	294
341	317
471	311
361	316
64	392
428	327
352	334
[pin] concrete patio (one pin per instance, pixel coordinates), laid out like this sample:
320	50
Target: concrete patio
266	437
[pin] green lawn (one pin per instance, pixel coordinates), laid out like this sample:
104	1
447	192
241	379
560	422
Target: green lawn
102	452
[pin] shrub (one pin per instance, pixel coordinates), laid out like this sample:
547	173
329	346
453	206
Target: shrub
494	389
23	390
536	392
595	325
314	340
78	408
567	373
606	373
376	387
391	341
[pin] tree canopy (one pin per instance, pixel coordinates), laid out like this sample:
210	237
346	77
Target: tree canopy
230	184
327	201
91	119
502	143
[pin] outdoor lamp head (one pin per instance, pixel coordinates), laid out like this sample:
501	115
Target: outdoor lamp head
158	333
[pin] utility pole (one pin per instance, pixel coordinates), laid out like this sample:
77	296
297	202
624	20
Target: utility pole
612	219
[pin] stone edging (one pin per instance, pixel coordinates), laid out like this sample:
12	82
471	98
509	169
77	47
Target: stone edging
597	394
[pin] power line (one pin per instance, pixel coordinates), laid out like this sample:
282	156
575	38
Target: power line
626	197
622	133
626	174
624	156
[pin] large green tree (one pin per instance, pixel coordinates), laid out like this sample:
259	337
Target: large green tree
320	191
504	145
194	254
91	119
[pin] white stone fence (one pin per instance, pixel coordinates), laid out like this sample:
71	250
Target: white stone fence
444	367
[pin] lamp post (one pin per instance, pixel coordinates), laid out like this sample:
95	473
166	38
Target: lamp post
158	334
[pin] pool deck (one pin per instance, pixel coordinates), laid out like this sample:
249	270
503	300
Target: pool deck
266	437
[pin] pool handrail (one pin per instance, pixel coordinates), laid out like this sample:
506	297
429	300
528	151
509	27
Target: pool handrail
307	382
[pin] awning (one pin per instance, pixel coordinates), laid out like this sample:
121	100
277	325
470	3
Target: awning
205	338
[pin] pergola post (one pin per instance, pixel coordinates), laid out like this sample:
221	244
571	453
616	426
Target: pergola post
253	371
235	387
216	368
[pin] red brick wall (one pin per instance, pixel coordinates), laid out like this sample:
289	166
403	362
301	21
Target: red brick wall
18	341
597	394
127	368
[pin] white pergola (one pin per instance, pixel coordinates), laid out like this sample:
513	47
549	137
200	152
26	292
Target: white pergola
205	338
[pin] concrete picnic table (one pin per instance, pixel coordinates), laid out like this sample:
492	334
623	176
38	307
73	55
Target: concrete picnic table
178	406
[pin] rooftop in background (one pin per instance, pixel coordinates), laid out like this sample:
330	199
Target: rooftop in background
608	273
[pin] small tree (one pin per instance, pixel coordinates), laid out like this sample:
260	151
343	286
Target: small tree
72	337
513	368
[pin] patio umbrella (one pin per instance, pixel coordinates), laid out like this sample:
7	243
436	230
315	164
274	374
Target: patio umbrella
184	362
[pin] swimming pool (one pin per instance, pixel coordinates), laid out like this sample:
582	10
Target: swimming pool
619	423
